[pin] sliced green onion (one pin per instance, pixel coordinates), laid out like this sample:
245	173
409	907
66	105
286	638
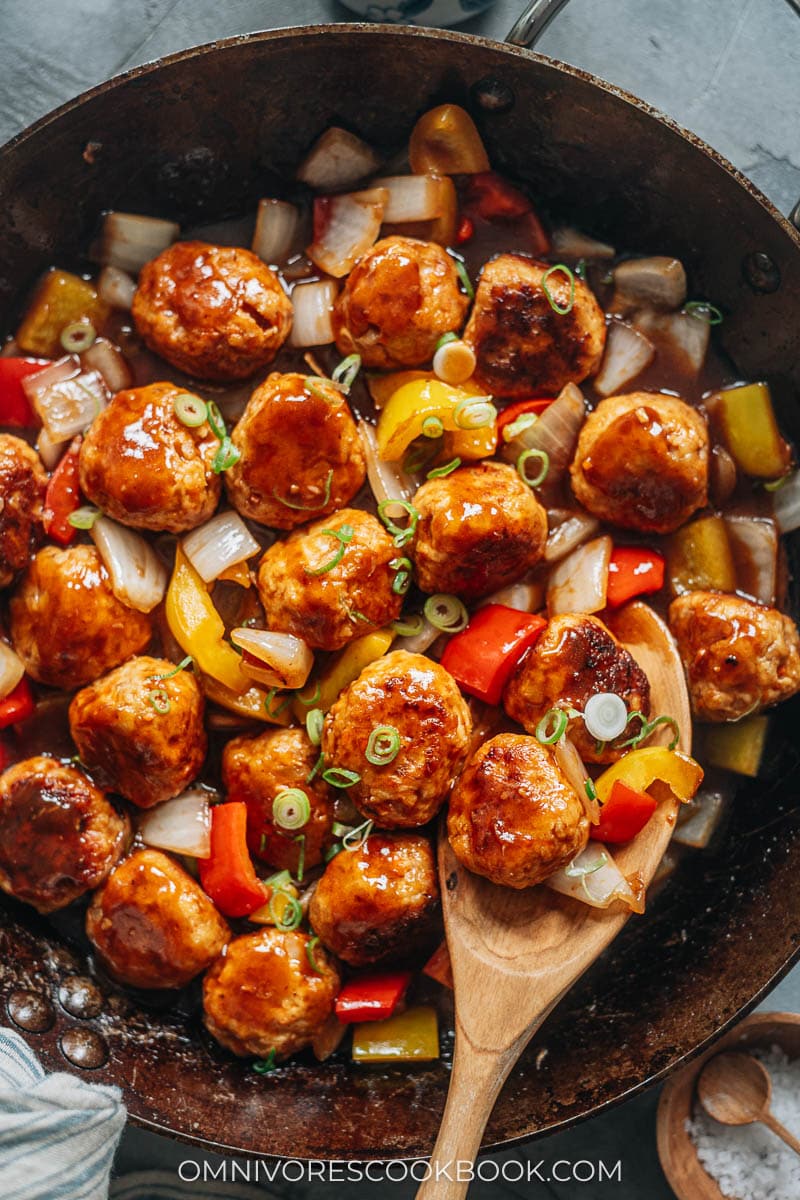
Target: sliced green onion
562	310
466	282
280	880
332	851
340	777
159	699
182	665
474	412
343	536
649	727
552	726
270	696
703	311
775	485
409	626
313	942
226	457
523	422
301	856
190	410
347	370
401	536
325	389
402	580
447	613
313	700
354	615
580	269
291	913
315	770
85	517
356	838
591	790
672	723
445	338
216	421
263	1066
308	507
538	456
290	808
314	722
573	872
447	469
432	427
383	746
78	336
339	830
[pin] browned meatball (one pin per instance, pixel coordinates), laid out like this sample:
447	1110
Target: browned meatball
522	344
575	658
379	901
66	624
330	582
143	467
301	456
479	528
642	462
416	701
739	656
513	816
398	301
255	770
153	926
215	312
22	487
129	742
59	836
264	995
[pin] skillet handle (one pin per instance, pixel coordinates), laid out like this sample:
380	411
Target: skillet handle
533	22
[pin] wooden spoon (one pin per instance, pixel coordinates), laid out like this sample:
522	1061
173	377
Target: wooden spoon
515	953
736	1089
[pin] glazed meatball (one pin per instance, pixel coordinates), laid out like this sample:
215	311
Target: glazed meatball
301	456
151	925
521	343
142	466
479	528
417	702
215	312
331	581
59	836
398	301
575	658
255	770
66	624
263	994
739	656
139	733
22	487
642	462
379	901
513	816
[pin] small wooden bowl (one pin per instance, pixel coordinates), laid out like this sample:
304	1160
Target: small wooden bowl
685	1174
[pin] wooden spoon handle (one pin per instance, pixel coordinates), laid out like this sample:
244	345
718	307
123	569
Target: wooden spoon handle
774	1124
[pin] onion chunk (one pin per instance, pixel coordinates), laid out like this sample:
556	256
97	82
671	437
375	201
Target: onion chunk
219	544
138	576
130	240
182	825
595	879
312	323
276	226
627	354
337	159
344	228
12	669
579	582
276	659
66	398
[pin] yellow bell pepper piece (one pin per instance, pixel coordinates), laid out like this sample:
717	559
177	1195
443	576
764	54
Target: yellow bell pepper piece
410	1036
199	629
470	444
383	387
737	747
402	417
445	141
341	671
747	421
60	300
640	769
699	558
252	703
279	902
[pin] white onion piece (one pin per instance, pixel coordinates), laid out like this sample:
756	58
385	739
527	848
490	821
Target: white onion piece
182	825
571	243
786	504
595	879
572	766
12	669
116	288
108	359
567	531
66	398
754	543
555	432
49	451
698	819
337	159
524	597
411	198
138	576
659	282
276	226
313	309
344	228
220	543
387	480
627	354
578	584
130	240
684	337
418	643
284	661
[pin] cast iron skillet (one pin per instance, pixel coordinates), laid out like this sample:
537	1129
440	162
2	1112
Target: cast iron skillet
202	135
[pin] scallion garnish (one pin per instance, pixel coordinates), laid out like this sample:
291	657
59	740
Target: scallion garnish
263	1066
703	311
418	455
354	615
466	282
537	456
343	536
340	777
515	428
314	722
226	457
591	790
78	336
347	370
409	626
182	665
445	338
290	914
447	613
270	696
649	727
552	726
280	880
301	856
356	838
561	309
580	269
332	851
190	410
85	517
447	469
312	699
402	580
315	770
383	745
573	872
313	942
309	507
159	699
216	421
400	535
325	389
432	427
290	808
474	412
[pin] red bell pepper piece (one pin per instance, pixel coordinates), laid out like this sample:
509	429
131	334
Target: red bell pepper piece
482	657
439	966
17	705
624	814
15	407
371	997
518	409
227	875
63	497
633	571
465	230
493	198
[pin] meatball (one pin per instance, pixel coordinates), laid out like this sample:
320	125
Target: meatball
66	624
255	770
642	462
142	466
739	656
301	456
22	487
153	926
479	528
59	836
575	658
415	703
399	299
379	901
215	312
513	816
139	733
331	581
264	994
522	345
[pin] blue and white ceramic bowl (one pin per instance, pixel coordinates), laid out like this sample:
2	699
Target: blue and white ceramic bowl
419	12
